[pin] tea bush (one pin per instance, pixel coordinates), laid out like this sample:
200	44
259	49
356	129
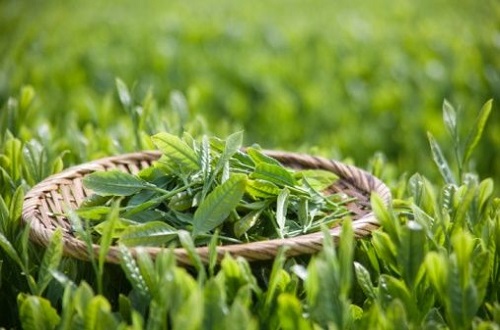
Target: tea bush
357	81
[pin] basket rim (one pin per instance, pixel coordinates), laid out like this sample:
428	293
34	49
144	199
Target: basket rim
252	251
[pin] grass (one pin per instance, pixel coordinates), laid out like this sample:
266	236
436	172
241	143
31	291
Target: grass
361	82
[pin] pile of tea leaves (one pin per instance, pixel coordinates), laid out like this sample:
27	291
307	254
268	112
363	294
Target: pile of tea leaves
210	187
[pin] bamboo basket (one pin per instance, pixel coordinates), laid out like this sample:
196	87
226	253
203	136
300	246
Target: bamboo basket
45	205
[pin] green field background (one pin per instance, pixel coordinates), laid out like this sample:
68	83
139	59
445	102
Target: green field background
344	79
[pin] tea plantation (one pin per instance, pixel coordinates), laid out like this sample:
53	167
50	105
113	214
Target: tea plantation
406	90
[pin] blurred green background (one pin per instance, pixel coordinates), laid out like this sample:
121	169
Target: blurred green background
344	79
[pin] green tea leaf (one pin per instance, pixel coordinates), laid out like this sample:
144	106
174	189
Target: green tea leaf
258	157
98	315
245	223
36	313
290	313
123	93
114	183
317	179
131	270
215	208
281	210
450	118
177	151
51	259
412	251
9	249
154	233
276	174
440	160
477	131
364	281
262	189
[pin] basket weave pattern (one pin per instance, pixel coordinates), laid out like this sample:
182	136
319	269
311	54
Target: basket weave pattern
47	202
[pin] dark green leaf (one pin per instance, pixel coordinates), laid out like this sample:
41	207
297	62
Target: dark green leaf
218	204
116	183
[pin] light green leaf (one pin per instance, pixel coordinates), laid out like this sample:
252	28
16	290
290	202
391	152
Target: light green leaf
281	210
16	204
345	255
51	259
477	131
129	266
317	179
177	151
154	233
114	183
258	157
36	313
440	160
412	251
262	189
123	93
233	144
450	118
290	313
215	208
364	281
108	233
9	249
276	174
188	244
386	217
98	315
244	224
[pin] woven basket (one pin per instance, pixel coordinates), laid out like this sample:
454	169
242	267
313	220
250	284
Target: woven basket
45	204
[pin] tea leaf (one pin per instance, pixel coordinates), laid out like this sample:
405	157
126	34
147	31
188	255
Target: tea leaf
317	179
281	210
450	118
177	151
132	272
364	280
411	251
218	204
477	131
262	189
440	160
9	249
245	223
154	233
290	313
114	183
258	157
51	259
98	315
36	313
123	93
276	174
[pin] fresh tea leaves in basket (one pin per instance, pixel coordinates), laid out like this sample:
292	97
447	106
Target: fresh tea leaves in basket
210	186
